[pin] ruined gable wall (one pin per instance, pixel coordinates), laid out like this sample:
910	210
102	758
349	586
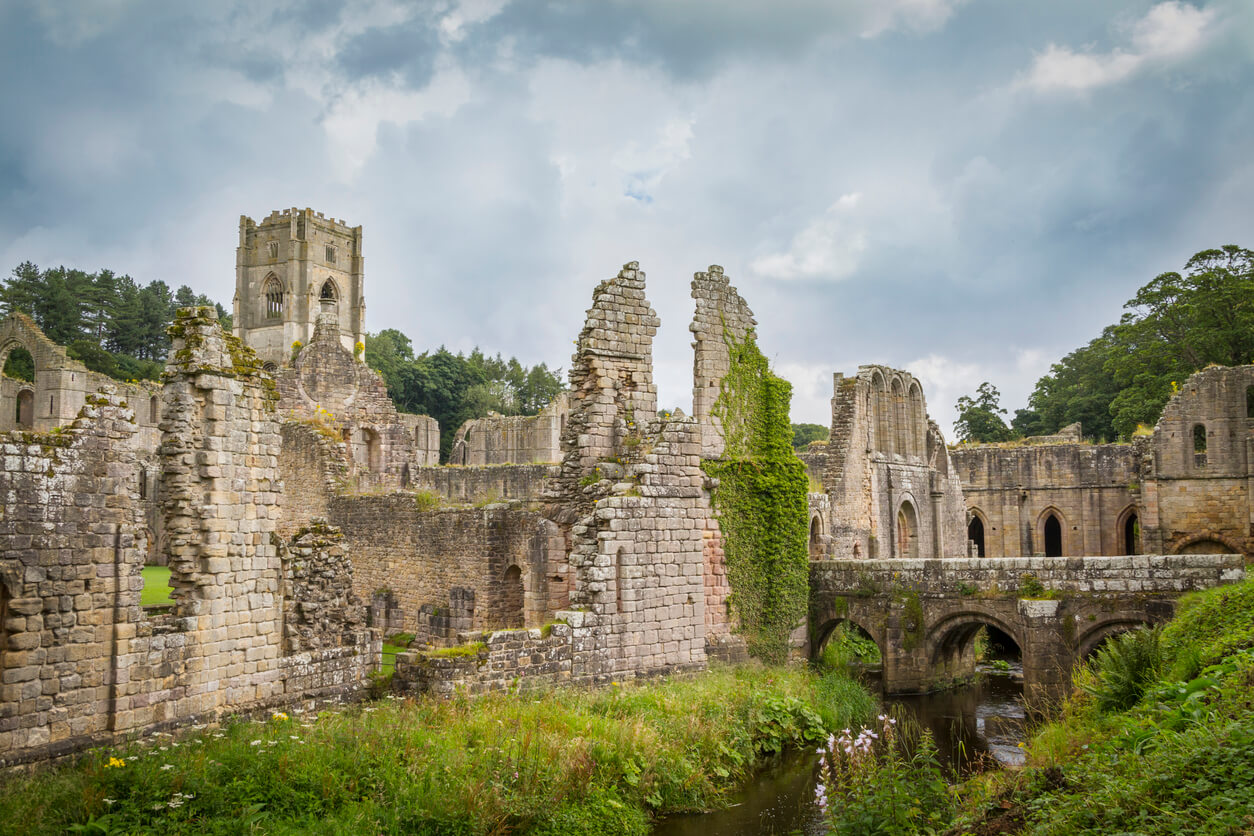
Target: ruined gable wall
62	386
1201	500
512	439
882	453
326	384
721	315
1089	486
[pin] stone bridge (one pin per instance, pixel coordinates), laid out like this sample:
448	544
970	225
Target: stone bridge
923	614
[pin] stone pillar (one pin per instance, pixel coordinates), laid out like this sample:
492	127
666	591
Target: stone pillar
1046	658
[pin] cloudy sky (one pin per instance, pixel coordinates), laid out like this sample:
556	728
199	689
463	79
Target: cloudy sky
967	189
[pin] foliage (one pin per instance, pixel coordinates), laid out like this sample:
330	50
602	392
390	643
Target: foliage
1122	669
803	434
847	645
870	785
20	365
761	503
1177	758
108	322
428	500
978	419
454	388
569	761
1174	326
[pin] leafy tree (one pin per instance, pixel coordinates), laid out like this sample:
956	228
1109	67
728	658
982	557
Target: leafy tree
1174	326
978	418
108	322
803	434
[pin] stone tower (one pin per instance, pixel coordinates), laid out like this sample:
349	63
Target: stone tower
291	267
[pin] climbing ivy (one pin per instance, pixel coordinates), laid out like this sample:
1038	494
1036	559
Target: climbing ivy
761	503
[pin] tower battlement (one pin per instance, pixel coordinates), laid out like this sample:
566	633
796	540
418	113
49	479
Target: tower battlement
292	267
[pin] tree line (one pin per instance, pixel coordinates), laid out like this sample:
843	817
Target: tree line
1175	325
116	326
453	388
108	322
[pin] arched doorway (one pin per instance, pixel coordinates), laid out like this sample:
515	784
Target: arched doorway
816	538
24	408
1052	534
975	534
512	598
907	531
1131	535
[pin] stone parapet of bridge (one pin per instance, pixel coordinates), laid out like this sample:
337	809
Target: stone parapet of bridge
923	614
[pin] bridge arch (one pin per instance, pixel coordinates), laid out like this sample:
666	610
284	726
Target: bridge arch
828	627
1088	643
949	644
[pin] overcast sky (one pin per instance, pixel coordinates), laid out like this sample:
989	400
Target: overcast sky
967	190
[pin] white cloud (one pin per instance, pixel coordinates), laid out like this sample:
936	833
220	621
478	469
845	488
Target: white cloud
829	247
915	15
945	380
453	25
1168	32
352	121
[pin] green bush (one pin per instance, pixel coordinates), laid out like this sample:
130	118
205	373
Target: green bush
1122	669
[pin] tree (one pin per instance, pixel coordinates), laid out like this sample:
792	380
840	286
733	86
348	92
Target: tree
978	419
803	434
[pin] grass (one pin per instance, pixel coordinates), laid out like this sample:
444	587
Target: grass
570	761
1157	739
156	592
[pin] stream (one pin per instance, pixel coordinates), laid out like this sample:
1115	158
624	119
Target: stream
970	725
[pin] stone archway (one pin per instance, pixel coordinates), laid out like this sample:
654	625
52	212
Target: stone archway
975	534
907	533
833	628
951	646
1088	643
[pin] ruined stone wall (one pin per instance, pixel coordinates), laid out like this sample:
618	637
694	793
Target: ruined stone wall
513	560
1198	493
508	659
512	439
327	385
312	465
62	386
70	565
1090	488
426	434
887	473
721	316
320	609
481	485
83	662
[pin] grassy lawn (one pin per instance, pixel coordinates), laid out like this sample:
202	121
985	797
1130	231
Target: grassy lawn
568	761
156	587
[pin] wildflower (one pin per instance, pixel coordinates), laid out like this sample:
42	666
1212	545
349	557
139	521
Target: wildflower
166	767
109	801
278	716
115	762
254	743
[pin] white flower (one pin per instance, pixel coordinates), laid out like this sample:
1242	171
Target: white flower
167	767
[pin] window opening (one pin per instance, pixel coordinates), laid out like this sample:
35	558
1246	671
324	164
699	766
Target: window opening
274	298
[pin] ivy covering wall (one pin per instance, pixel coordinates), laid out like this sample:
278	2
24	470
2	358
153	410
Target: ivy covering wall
761	503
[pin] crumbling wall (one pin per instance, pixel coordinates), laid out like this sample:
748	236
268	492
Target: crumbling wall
721	316
512	439
320	609
70	557
1196	474
481	485
62	386
887	472
328	386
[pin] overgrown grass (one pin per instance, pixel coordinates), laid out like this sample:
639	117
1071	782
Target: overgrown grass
1158	739
567	762
156	591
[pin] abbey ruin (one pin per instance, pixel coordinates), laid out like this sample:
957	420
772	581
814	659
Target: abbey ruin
294	506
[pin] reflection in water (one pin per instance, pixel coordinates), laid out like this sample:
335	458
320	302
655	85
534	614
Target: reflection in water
970	723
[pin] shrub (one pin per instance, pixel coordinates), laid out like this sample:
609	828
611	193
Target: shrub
1122	669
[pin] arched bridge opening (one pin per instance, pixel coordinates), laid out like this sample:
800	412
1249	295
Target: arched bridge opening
844	644
958	643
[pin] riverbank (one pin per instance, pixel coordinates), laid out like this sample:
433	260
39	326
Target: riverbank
564	762
1158	739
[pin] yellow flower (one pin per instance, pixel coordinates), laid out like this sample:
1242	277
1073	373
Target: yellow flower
115	762
278	716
